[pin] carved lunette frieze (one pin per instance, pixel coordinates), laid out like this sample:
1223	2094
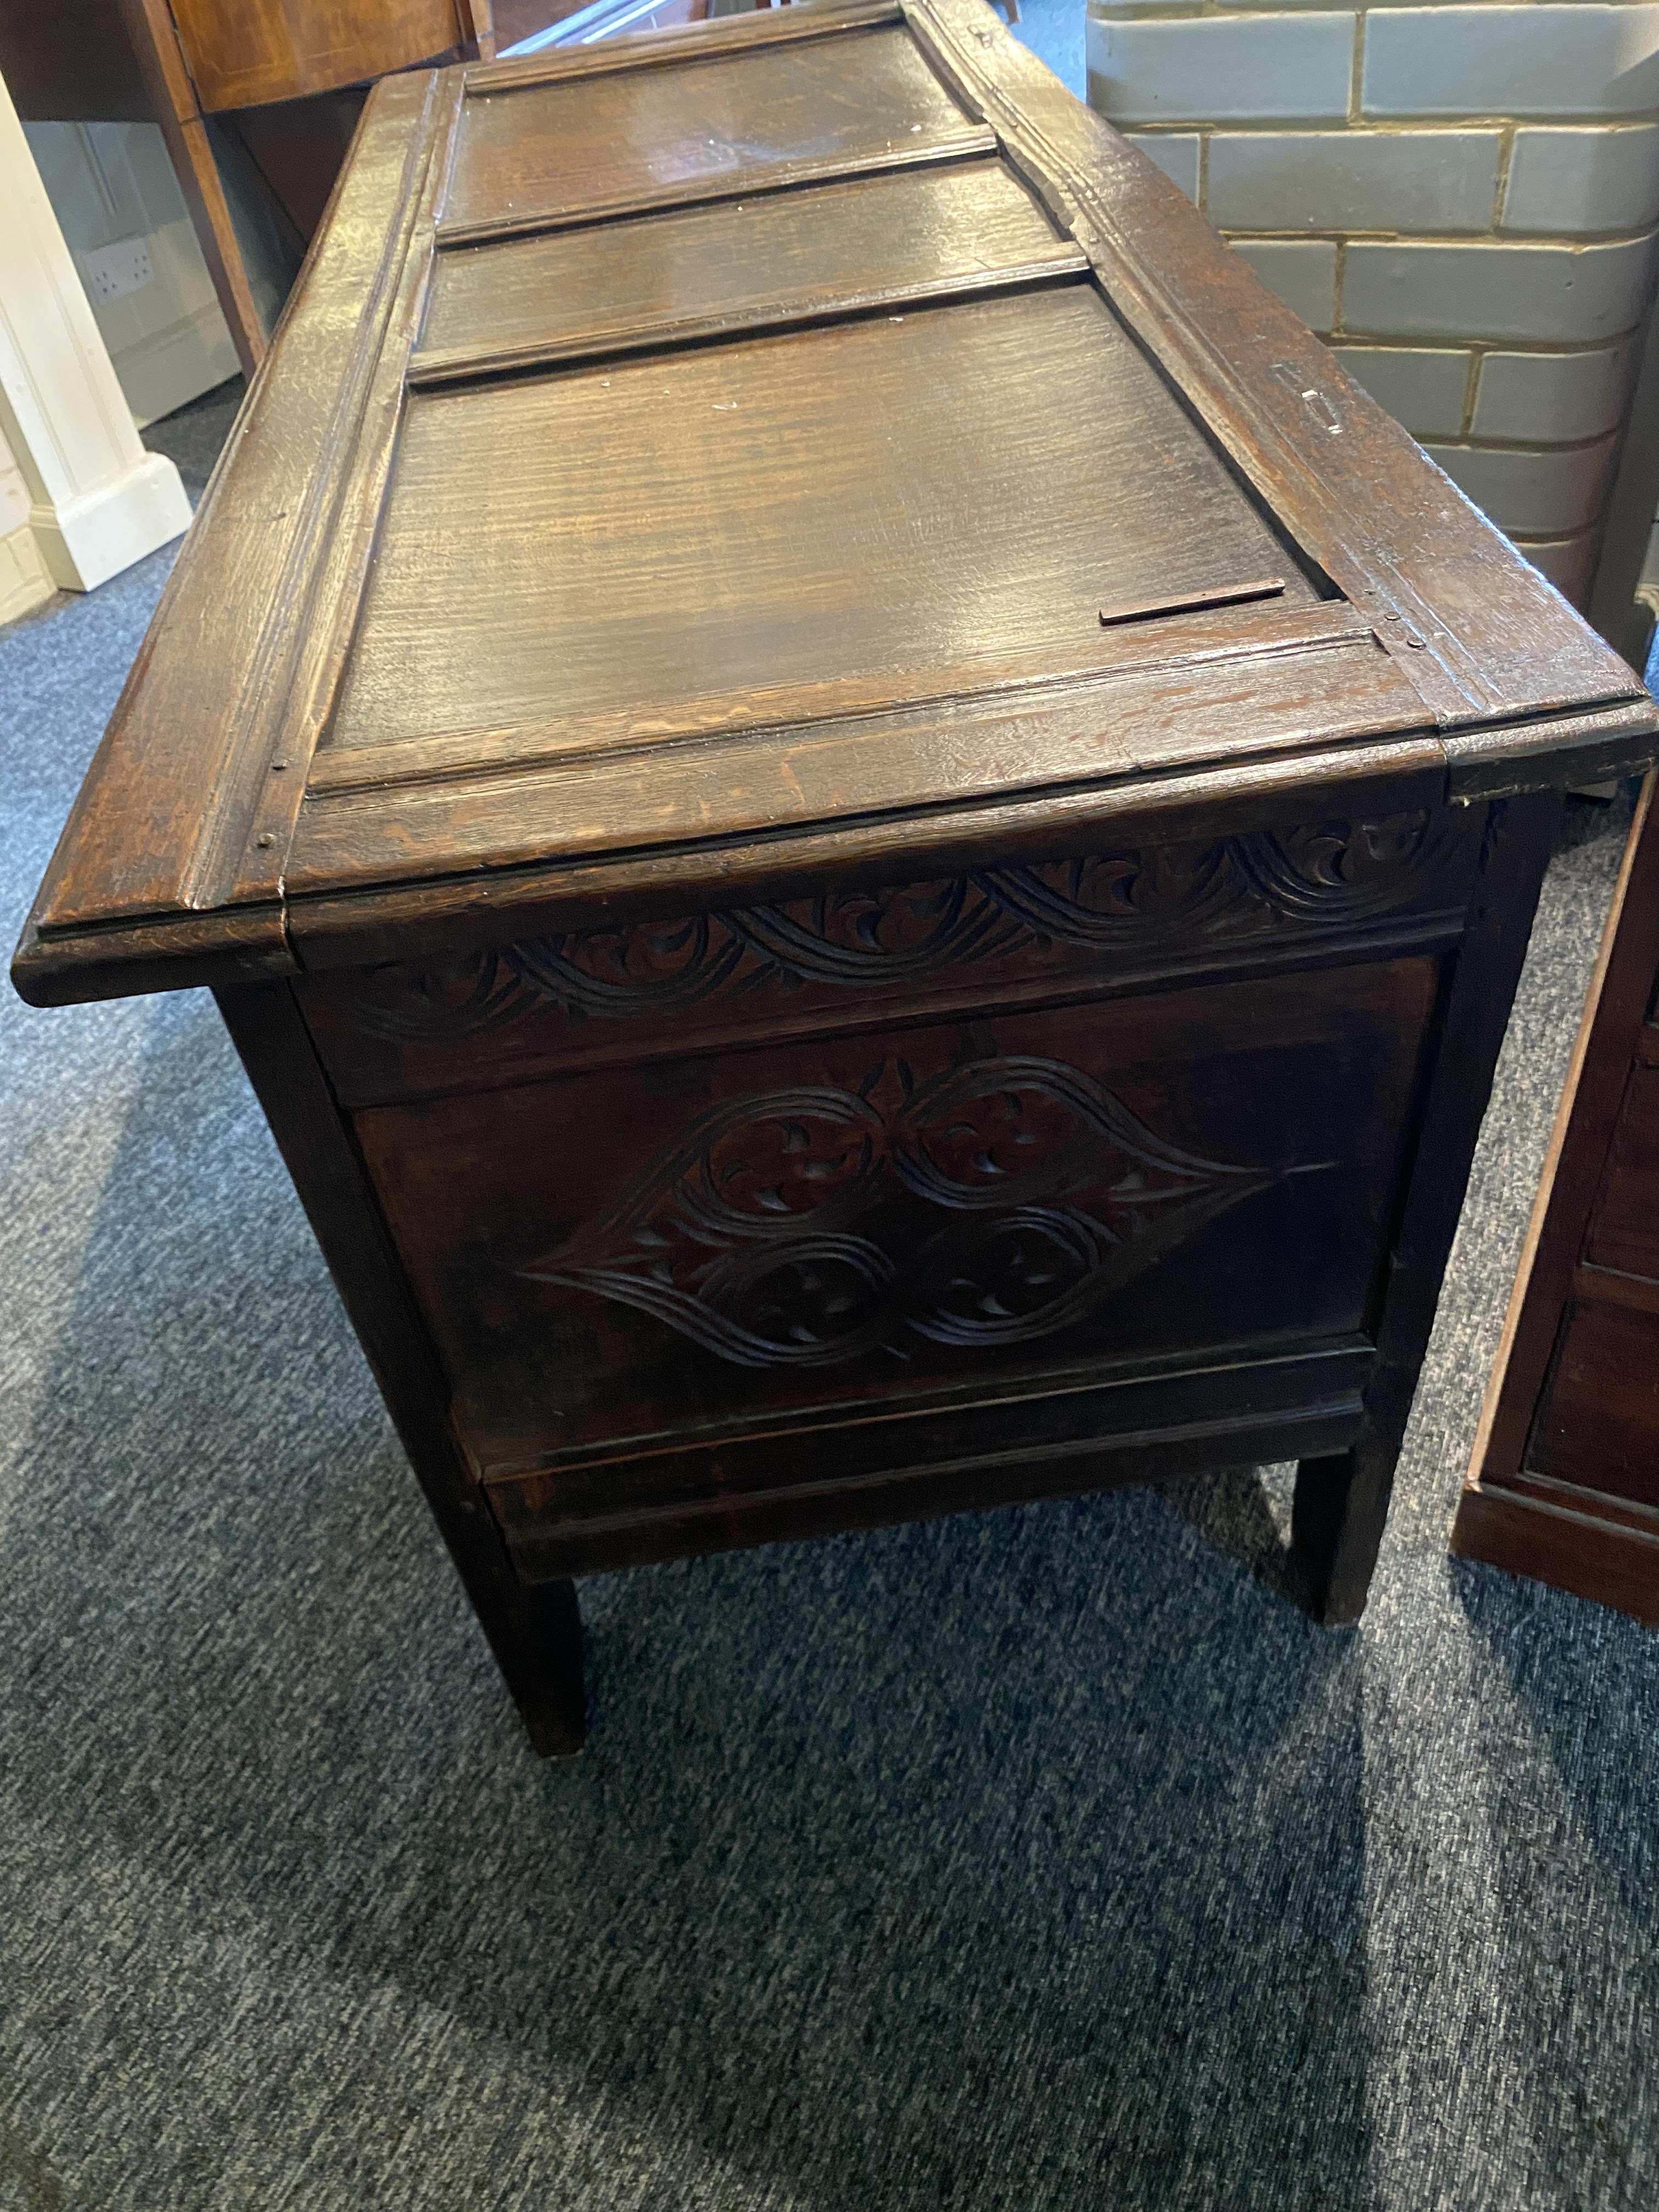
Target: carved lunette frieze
1127	902
993	1204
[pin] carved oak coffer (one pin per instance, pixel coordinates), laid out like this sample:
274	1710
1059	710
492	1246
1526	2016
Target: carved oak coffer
868	835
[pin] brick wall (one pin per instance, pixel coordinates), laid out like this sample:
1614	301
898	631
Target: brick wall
1462	199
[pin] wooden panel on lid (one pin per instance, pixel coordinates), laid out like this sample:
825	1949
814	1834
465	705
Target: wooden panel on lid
780	256
653	546
547	152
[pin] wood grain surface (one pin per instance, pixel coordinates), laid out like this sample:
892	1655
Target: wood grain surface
769	518
610	140
792	1021
1392	530
178	752
852	1221
874	242
267	50
984	563
1563	1479
1597	1425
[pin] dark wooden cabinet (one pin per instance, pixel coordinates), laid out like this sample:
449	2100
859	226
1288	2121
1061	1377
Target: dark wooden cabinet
1564	1484
868	837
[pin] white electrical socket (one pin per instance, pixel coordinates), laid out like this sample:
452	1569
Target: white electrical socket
112	271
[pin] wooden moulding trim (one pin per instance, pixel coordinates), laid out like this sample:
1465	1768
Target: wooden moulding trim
392	921
1587	1553
1576	1498
1343	477
135	842
1303	950
1607	1286
968	144
918	768
923	782
291	690
687	42
239	945
1236	1380
973	142
1014	683
1022	1475
1618	739
963	1483
1037	1442
461	362
388	921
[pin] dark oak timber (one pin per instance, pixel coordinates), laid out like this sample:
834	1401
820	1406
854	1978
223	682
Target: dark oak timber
868	836
535	1633
1341	1506
1563	1481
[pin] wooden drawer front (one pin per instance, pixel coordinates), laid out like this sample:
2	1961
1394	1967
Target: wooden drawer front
1624	1232
1109	921
1598	1421
623	1263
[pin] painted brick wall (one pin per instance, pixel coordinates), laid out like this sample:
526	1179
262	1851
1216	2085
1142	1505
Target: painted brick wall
1462	199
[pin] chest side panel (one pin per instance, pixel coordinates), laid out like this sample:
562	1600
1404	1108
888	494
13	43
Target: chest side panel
631	1261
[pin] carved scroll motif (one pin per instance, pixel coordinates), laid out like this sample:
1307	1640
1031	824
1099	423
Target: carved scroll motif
811	1226
1127	902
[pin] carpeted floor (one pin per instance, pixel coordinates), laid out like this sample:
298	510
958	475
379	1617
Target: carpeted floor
1045	1858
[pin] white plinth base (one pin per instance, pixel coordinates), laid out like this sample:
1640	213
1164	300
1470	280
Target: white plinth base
96	536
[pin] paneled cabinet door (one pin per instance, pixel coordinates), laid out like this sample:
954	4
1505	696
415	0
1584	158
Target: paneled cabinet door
1564	1484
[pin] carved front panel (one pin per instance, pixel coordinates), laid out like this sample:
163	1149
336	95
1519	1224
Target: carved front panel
996	1203
616	1263
1114	916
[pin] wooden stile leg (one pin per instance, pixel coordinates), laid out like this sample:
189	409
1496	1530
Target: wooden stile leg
537	1639
1341	1502
1337	1518
533	1629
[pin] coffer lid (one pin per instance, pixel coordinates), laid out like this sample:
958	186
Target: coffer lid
809	440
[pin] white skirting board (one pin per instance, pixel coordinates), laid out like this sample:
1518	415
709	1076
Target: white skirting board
97	498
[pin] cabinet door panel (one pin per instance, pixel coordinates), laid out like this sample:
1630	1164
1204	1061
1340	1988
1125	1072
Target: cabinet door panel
1599	1413
1625	1227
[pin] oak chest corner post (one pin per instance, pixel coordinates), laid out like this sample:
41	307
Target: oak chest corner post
867	837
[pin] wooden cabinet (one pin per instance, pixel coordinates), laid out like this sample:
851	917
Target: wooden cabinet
1564	1484
868	835
282	75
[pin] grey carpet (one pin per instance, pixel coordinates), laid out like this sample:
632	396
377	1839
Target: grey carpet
1045	1858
